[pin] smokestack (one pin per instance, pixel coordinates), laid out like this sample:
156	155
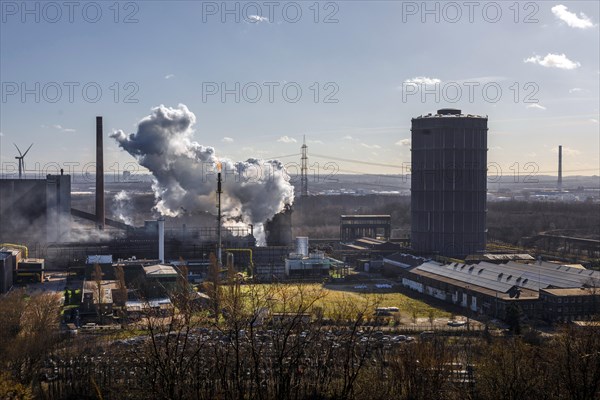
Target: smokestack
219	191
161	240
560	168
99	175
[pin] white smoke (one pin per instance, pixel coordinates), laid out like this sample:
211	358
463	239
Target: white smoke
123	207
185	172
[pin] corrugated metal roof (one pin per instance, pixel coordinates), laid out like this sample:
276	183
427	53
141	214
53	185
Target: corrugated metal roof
158	270
502	277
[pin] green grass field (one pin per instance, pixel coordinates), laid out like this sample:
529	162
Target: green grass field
334	298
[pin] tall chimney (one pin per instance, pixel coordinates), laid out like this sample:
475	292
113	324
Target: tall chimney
161	240
219	215
99	175
560	168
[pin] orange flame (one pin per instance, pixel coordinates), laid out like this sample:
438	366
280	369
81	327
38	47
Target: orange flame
218	166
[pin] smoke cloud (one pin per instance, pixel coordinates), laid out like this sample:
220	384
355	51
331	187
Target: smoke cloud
185	172
122	206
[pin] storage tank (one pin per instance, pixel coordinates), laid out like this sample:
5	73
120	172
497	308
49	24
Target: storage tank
449	183
302	245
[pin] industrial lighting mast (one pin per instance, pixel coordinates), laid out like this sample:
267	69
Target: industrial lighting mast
219	216
304	170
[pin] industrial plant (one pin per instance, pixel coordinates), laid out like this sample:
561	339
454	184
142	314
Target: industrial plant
445	255
306	200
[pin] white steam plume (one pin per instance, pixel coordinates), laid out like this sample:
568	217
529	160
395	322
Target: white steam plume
123	207
185	171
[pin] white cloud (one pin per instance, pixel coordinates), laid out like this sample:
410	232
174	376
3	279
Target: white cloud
422	80
286	139
370	146
403	142
315	141
58	127
227	140
566	151
169	76
348	137
257	18
553	61
536	106
593	120
576	90
582	21
1	134
483	79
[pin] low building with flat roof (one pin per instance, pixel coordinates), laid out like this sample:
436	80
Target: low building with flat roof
570	304
159	280
96	297
359	226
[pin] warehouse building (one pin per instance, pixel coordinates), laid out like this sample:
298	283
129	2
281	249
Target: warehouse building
570	304
487	288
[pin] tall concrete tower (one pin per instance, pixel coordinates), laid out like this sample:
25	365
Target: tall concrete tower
449	183
559	183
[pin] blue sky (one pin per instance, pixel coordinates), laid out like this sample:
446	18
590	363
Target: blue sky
370	61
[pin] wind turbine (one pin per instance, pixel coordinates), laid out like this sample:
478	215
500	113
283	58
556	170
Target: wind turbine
21	158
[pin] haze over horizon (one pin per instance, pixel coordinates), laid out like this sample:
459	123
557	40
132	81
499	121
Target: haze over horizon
364	70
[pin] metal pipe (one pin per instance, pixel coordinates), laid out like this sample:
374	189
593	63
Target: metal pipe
18	246
249	251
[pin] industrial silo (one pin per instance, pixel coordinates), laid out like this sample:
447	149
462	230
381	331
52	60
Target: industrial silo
448	183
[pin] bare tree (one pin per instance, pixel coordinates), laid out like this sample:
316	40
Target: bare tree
510	369
578	360
97	277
